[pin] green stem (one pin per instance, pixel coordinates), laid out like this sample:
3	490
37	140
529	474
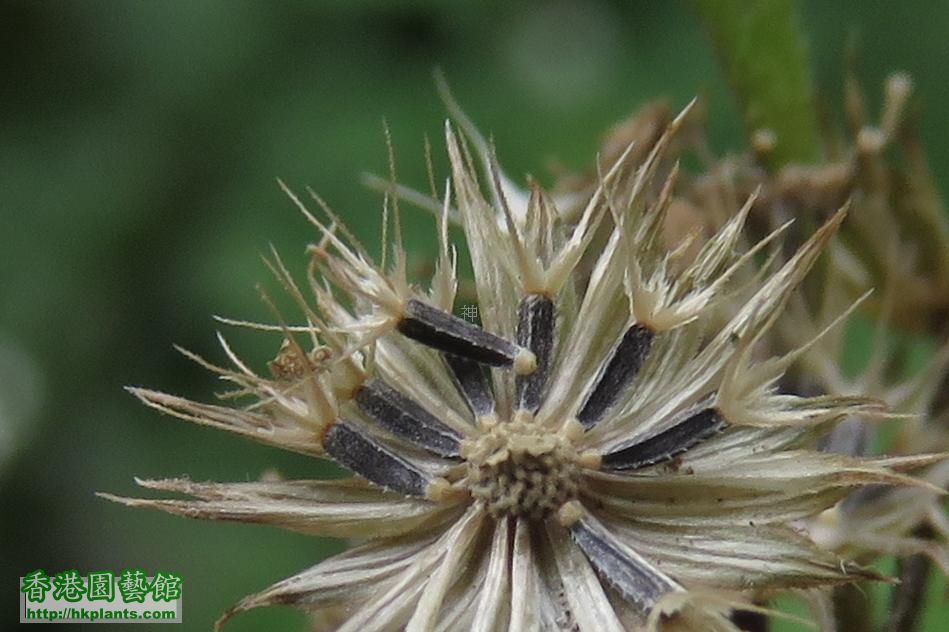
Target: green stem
763	56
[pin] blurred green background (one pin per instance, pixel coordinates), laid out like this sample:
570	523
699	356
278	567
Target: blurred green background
139	146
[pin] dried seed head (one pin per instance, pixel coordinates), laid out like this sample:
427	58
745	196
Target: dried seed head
562	406
522	469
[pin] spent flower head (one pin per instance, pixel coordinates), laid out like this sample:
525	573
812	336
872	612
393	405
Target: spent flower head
605	452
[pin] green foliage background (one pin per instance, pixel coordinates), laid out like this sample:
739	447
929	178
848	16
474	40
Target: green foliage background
139	145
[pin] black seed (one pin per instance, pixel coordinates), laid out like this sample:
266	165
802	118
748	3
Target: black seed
405	418
632	576
749	621
362	455
624	363
535	331
446	332
472	383
695	429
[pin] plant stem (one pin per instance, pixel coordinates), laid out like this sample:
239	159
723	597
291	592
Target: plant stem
762	52
907	598
851	609
906	601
